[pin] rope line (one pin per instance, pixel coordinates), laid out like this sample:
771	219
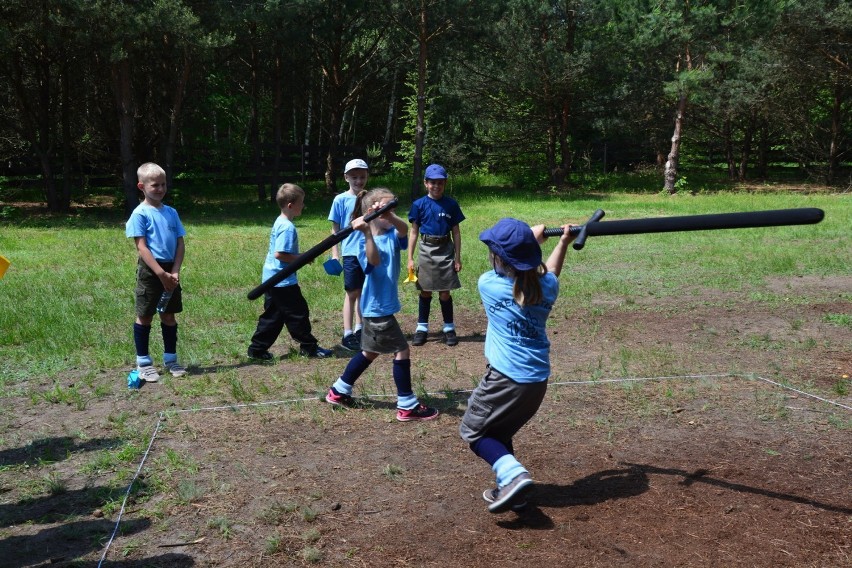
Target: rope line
161	415
129	487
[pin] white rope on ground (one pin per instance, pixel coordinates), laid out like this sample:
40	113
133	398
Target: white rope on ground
129	487
819	398
464	391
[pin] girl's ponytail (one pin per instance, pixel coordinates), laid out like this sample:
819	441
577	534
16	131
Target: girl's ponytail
356	212
526	287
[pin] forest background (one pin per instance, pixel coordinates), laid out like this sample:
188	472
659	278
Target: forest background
265	91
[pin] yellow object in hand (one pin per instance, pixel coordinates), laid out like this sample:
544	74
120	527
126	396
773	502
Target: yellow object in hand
411	276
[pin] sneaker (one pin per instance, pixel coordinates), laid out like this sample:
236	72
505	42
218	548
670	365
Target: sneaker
419	412
260	355
511	494
176	370
337	399
490	495
357	334
318	353
450	338
351	342
149	374
419	338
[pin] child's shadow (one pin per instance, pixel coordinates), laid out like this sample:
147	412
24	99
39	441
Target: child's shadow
595	488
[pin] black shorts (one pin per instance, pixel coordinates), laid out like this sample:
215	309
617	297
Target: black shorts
353	274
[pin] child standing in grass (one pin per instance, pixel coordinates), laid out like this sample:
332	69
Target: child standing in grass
158	233
356	173
435	221
517	295
284	304
384	237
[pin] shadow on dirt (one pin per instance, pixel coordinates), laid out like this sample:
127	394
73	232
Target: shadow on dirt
64	543
51	450
700	476
55	508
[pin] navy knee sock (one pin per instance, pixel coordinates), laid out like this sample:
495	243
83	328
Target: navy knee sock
447	310
489	449
169	338
424	306
141	337
402	377
357	365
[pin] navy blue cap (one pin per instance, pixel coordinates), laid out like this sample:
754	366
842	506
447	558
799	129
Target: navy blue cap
434	171
513	241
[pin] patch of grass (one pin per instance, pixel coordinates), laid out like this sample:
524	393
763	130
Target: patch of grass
311	554
393	472
273	544
840	320
188	491
222	524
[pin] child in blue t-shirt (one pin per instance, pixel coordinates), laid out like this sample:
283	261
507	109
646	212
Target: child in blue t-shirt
284	305
356	173
517	295
158	234
435	222
384	237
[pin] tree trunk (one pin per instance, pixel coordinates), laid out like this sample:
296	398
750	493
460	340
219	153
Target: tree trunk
727	135
333	141
391	105
748	137
833	150
174	118
277	118
420	128
763	152
670	172
65	120
121	74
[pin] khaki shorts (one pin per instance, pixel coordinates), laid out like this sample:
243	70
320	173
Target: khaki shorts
149	289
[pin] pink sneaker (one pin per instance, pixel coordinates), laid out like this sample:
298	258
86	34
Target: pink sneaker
419	412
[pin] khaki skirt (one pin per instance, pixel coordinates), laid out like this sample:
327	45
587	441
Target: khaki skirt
435	267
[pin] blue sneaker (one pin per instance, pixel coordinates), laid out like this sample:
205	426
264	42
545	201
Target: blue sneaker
317	353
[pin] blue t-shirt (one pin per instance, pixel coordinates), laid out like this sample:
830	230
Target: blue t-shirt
380	293
283	238
435	216
341	213
516	342
160	226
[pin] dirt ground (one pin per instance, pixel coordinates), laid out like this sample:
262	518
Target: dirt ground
705	464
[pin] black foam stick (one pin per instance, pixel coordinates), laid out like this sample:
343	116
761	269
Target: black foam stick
772	218
314	252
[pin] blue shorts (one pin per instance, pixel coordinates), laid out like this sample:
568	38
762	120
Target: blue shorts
353	274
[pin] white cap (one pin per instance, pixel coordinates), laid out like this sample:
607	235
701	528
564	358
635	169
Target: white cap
357	163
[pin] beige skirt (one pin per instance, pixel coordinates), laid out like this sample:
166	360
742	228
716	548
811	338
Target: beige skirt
435	267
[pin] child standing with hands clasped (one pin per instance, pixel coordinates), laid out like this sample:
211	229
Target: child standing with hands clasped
435	220
356	173
384	237
284	304
517	295
158	233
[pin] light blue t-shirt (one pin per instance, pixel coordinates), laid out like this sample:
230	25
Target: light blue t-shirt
436	217
283	238
380	293
516	342
160	226
341	213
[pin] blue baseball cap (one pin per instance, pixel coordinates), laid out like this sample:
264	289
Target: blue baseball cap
513	241
434	171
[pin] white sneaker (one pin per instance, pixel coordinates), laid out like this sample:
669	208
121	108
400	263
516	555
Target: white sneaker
149	374
176	370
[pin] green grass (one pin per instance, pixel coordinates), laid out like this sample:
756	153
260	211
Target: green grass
68	295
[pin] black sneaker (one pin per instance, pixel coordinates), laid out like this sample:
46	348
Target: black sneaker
419	338
318	353
351	342
512	494
260	355
419	412
450	338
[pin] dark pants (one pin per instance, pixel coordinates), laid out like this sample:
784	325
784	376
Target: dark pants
283	306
